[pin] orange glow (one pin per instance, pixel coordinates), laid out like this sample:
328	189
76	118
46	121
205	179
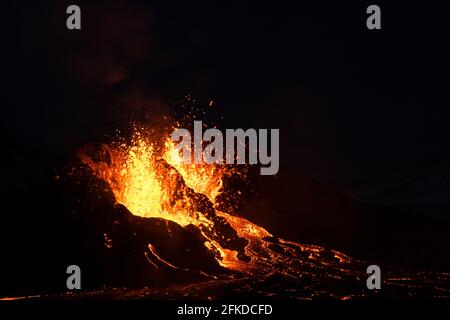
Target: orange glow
203	178
145	181
148	177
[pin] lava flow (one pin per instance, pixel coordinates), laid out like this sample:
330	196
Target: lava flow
147	177
144	176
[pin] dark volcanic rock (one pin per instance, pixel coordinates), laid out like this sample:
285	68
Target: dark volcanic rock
119	248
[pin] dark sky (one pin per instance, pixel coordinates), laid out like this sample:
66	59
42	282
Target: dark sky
365	111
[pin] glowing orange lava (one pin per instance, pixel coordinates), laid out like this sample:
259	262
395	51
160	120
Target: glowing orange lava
146	182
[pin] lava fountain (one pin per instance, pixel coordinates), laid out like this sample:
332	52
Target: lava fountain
148	176
145	175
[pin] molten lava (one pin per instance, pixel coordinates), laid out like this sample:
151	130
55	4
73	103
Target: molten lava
144	178
150	179
147	175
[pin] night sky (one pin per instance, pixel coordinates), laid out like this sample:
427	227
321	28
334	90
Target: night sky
364	111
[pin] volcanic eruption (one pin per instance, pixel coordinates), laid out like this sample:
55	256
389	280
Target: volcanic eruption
169	217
